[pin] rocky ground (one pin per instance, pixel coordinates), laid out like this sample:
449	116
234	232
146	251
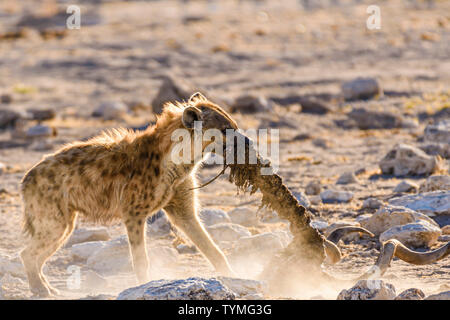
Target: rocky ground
363	119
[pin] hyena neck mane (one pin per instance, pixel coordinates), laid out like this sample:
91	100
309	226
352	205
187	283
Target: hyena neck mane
153	144
156	138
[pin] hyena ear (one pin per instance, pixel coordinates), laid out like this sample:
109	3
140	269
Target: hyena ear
197	97
190	115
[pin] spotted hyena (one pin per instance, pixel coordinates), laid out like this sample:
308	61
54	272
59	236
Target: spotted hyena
118	175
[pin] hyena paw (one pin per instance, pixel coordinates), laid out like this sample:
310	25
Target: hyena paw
41	291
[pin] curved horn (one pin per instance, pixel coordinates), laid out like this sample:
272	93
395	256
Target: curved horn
332	251
338	233
394	248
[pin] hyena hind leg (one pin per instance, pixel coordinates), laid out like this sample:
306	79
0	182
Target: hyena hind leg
51	249
49	234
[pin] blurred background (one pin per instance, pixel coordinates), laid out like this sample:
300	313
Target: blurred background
341	94
284	51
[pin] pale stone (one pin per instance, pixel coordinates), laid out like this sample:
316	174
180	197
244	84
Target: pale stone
88	234
347	178
227	232
211	217
369	290
406	186
185	289
390	216
411	294
434	183
244	216
313	188
429	203
417	234
333	196
439	296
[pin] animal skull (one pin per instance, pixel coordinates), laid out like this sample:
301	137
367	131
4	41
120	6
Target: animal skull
407	160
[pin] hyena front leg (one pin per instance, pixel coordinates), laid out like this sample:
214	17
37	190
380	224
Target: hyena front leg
135	224
182	212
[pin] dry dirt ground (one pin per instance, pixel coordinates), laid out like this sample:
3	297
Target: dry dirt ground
269	48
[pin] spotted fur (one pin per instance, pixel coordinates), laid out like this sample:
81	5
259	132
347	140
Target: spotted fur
119	175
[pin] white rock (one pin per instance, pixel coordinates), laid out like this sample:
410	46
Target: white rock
12	288
284	236
112	257
211	217
434	183
369	119
108	257
302	199
318	224
183	249
347	178
440	296
100	296
417	234
40	131
244	216
446	230
333	196
363	217
405	160
369	290
266	243
82	251
251	104
409	123
227	232
438	132
160	226
411	294
88	234
8	265
429	203
315	200
184	289
406	186
390	216
269	216
111	110
361	88
313	188
372	203
9	280
244	288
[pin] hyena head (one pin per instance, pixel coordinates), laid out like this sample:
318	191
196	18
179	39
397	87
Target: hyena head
214	122
210	114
